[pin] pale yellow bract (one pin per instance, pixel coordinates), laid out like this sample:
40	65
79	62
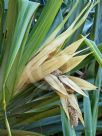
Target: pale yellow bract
45	66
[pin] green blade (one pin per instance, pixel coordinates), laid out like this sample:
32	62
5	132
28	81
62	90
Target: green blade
20	133
41	29
95	100
66	126
1	21
26	11
98	23
8	32
96	52
88	117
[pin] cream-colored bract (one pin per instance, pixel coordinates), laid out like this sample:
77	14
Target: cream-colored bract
50	64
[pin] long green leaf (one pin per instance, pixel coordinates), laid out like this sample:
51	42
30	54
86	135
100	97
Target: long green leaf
19	133
26	11
96	52
89	59
1	20
95	100
8	32
66	126
88	116
41	29
98	23
59	27
26	119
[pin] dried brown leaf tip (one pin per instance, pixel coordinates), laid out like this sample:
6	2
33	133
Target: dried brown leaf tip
66	86
73	114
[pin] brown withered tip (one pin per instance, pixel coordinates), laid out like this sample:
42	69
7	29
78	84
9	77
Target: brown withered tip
73	116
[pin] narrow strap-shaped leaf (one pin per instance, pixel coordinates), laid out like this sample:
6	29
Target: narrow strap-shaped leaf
82	20
83	11
66	126
24	17
28	118
19	32
15	74
3	132
98	23
95	100
88	117
1	20
57	30
41	29
6	43
96	52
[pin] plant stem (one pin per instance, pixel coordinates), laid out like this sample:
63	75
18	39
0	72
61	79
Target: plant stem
4	106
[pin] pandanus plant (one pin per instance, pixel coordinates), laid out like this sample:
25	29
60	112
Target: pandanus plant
51	64
35	67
